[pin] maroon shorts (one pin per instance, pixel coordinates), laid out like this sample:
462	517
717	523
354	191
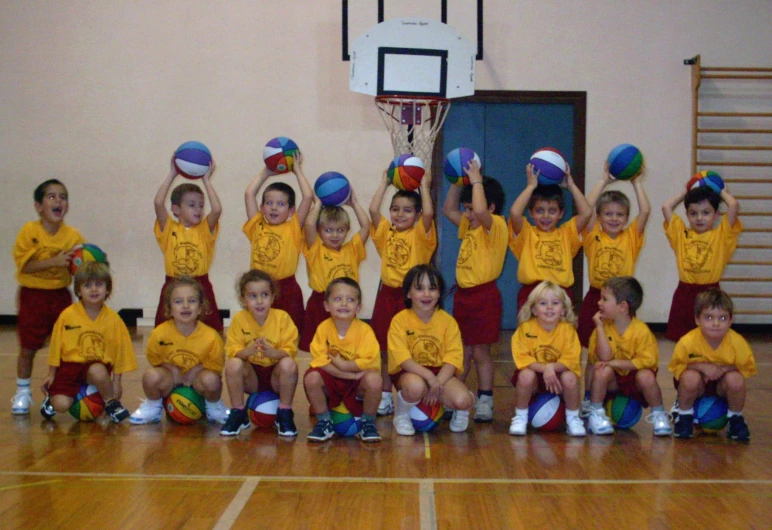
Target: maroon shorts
314	315
388	303
478	313
681	319
212	319
525	290
264	374
69	378
627	387
588	310
290	299
340	391
395	376
711	387
540	388
38	311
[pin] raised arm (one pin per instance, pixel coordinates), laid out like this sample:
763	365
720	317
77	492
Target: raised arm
479	200
583	210
159	202
451	207
594	195
517	211
215	207
427	206
309	227
364	221
672	203
644	207
306	193
377	202
732	206
250	195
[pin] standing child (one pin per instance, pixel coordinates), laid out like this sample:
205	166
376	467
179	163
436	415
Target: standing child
188	243
483	231
625	355
426	353
702	251
546	351
712	360
329	256
89	343
42	253
261	347
344	363
182	351
409	238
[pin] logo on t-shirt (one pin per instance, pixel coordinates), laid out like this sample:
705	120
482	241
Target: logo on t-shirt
91	346
267	248
68	327
424	351
550	253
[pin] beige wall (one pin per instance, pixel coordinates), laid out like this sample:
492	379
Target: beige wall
98	94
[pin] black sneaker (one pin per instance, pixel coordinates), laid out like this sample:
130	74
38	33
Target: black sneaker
369	432
285	422
115	411
738	429
237	421
322	431
684	426
47	410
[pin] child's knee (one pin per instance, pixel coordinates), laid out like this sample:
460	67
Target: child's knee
313	380
209	381
735	382
569	379
287	366
61	403
234	366
645	378
98	372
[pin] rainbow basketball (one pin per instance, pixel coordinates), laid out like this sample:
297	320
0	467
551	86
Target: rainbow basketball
550	164
88	404
710	413
344	423
711	179
192	159
279	154
425	417
406	171
623	411
184	405
625	162
86	252
332	188
262	407
546	412
455	164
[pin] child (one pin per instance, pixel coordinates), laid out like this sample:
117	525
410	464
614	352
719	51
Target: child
712	360
329	256
182	351
409	238
261	347
545	252
344	362
546	351
42	253
89	343
625	354
702	251
275	231
426	353
480	259
188	243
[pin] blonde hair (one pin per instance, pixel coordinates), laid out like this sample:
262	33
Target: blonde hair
541	290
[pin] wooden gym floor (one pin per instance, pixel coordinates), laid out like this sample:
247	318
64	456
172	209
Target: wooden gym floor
65	474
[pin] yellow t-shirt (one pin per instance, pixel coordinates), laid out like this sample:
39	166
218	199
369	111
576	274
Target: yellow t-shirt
35	244
610	258
546	255
701	258
482	252
325	264
358	345
78	339
431	344
167	345
734	350
279	331
275	248
187	251
636	344
401	251
532	344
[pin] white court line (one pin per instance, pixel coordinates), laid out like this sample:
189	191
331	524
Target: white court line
427	511
233	510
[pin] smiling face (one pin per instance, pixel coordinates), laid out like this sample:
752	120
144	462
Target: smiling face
546	215
423	296
702	216
185	305
613	218
190	211
343	302
403	213
93	293
257	297
54	205
275	207
548	310
333	234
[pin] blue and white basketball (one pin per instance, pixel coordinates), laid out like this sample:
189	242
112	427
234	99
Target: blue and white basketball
550	164
332	188
192	159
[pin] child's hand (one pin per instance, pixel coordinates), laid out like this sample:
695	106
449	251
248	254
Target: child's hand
63	259
607	178
532	179
597	320
352	199
210	171
358	375
435	390
46	383
426	180
712	372
297	164
568	180
173	167
385	176
190	376
551	380
472	170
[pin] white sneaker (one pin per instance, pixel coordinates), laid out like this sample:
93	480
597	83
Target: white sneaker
404	425
460	421
216	412
575	426
661	421
386	406
483	410
148	412
519	425
599	423
21	402
586	408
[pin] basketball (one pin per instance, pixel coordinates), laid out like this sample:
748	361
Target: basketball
550	164
426	418
184	405
262	407
406	171
88	404
710	413
546	412
332	188
710	179
192	159
279	154
625	162
455	163
86	252
623	411
344	423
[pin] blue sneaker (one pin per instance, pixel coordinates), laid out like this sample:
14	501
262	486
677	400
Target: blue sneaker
322	431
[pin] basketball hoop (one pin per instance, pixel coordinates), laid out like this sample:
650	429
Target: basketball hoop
413	122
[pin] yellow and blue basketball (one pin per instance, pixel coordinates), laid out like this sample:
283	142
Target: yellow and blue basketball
262	407
332	188
86	252
546	412
711	179
88	404
710	413
455	163
623	411
192	159
550	164
344	423
406	171
425	417
184	405
625	162
279	154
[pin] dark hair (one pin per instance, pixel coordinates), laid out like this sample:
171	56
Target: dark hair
345	281
181	281
255	275
284	188
626	289
494	194
40	191
549	193
713	298
414	197
415	276
179	192
613	196
93	270
702	193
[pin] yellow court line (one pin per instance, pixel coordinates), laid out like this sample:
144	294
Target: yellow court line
427	447
29	484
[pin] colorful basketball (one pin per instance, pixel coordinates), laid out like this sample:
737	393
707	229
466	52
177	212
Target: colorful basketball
710	413
332	188
546	412
623	411
455	163
88	404
86	252
184	405
426	418
625	162
262	407
406	171
192	159
279	154
550	164
710	179
344	423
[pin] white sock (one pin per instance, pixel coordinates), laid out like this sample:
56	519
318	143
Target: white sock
23	385
686	411
521	412
731	413
572	413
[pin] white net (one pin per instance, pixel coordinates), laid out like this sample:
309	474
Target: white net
413	123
